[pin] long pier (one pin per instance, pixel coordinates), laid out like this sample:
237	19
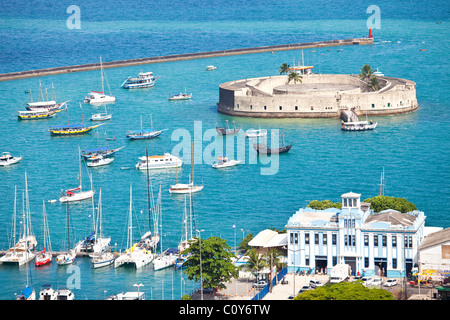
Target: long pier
185	56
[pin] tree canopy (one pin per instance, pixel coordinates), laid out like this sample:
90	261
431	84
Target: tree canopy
345	291
324	204
380	203
216	265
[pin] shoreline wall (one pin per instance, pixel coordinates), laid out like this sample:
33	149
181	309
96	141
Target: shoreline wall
177	57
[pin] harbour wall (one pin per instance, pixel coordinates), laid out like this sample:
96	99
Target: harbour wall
327	95
177	57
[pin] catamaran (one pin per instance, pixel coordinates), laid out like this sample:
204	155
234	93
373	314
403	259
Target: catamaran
144	133
143	80
77	194
134	255
99	96
45	256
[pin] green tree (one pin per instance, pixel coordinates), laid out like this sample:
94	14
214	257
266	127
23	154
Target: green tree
243	246
374	83
366	72
216	264
255	262
294	76
284	68
380	203
345	291
324	204
276	258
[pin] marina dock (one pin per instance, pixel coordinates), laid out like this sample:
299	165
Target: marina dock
178	57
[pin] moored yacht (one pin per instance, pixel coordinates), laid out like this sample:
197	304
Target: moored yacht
143	80
7	159
165	161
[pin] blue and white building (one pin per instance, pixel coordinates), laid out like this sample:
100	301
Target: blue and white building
371	243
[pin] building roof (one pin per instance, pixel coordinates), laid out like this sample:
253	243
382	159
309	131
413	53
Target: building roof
351	195
262	238
436	238
278	240
393	217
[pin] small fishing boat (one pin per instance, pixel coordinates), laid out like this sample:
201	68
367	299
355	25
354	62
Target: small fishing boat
95	97
264	149
165	161
224	162
101	116
180	96
44	113
358	125
225	130
144	133
7	159
210	68
47	292
97	161
143	80
256	133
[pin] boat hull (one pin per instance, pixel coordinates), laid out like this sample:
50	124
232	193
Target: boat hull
78	196
265	150
185	190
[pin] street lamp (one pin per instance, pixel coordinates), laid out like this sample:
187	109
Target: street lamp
201	276
138	286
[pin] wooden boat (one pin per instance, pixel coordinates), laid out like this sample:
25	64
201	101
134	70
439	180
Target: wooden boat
44	105
264	149
226	129
71	129
144	133
37	114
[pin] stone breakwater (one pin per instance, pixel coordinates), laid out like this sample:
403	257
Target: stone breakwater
177	57
318	96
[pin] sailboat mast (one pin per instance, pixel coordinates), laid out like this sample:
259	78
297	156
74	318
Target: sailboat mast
79	161
15	215
68	226
101	73
192	160
43	213
130	220
148	196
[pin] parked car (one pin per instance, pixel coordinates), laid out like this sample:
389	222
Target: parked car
260	283
315	283
376	282
304	288
356	278
367	280
390	283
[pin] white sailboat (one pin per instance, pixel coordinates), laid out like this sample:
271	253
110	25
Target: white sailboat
69	256
101	116
181	188
77	194
99	96
134	255
101	256
46	255
22	252
186	233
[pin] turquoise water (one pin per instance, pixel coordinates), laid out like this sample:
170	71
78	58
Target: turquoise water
323	163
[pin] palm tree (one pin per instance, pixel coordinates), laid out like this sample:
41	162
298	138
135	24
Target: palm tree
374	83
284	68
366	72
294	76
276	258
255	261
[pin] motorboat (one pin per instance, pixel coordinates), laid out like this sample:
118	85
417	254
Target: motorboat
210	68
358	125
7	159
180	96
64	294
143	80
95	97
224	162
96	161
256	133
166	259
47	292
127	296
27	294
165	161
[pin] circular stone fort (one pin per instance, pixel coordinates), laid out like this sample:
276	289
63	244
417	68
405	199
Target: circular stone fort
317	96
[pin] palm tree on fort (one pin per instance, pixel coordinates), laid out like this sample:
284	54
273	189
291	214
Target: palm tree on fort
366	72
284	68
294	76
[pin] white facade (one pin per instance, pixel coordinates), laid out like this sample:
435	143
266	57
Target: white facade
435	255
369	242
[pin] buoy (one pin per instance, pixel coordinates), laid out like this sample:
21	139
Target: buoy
370	33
